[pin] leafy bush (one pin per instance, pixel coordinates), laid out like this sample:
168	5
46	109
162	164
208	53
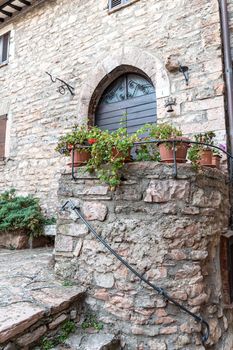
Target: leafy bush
21	213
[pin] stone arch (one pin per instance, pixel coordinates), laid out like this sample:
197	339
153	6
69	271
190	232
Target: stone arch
107	70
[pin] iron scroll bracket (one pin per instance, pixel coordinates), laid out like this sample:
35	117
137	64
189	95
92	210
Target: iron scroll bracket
185	71
63	87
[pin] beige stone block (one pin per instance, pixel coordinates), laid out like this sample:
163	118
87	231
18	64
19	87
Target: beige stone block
157	344
57	321
95	211
105	280
63	243
31	337
168	330
78	248
199	300
73	229
14	320
164	320
215	331
16	240
113	61
58	299
204	200
90	190
102	294
205	104
164	191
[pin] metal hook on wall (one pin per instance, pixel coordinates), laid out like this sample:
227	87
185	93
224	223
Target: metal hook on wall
63	87
185	71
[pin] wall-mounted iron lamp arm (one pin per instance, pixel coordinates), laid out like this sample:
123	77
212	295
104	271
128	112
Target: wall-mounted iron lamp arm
62	88
185	71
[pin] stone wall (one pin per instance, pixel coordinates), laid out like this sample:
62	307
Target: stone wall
167	229
33	331
81	43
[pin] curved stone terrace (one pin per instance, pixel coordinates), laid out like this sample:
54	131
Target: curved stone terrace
29	292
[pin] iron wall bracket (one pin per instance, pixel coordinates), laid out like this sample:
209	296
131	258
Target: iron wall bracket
63	87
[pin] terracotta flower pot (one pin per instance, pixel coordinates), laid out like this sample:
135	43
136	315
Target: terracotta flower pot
167	153
116	153
216	161
81	157
206	157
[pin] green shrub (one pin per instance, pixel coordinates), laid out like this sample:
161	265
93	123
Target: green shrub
21	213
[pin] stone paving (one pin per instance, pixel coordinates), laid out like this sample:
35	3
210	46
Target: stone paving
100	341
29	290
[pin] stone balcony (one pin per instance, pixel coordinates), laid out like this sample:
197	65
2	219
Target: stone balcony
168	230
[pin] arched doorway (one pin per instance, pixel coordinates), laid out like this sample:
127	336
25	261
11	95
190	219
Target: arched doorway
128	101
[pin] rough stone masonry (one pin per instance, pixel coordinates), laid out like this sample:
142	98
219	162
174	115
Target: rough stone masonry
169	230
81	43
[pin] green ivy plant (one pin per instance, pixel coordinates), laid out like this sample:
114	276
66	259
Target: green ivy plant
21	213
109	153
108	150
194	155
77	138
47	344
68	283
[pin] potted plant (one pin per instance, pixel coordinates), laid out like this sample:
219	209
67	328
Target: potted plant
201	154
206	151
216	157
168	133
194	155
109	153
76	143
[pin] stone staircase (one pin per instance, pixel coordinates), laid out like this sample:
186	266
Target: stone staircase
98	341
34	304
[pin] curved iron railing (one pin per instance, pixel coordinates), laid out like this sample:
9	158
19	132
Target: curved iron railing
205	329
173	142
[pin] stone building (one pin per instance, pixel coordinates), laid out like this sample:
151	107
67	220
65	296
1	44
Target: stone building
91	45
88	46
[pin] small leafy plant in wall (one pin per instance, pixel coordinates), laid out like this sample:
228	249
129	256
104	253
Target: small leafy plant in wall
68	283
90	323
66	330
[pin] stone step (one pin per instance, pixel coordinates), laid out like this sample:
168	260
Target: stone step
32	301
98	341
